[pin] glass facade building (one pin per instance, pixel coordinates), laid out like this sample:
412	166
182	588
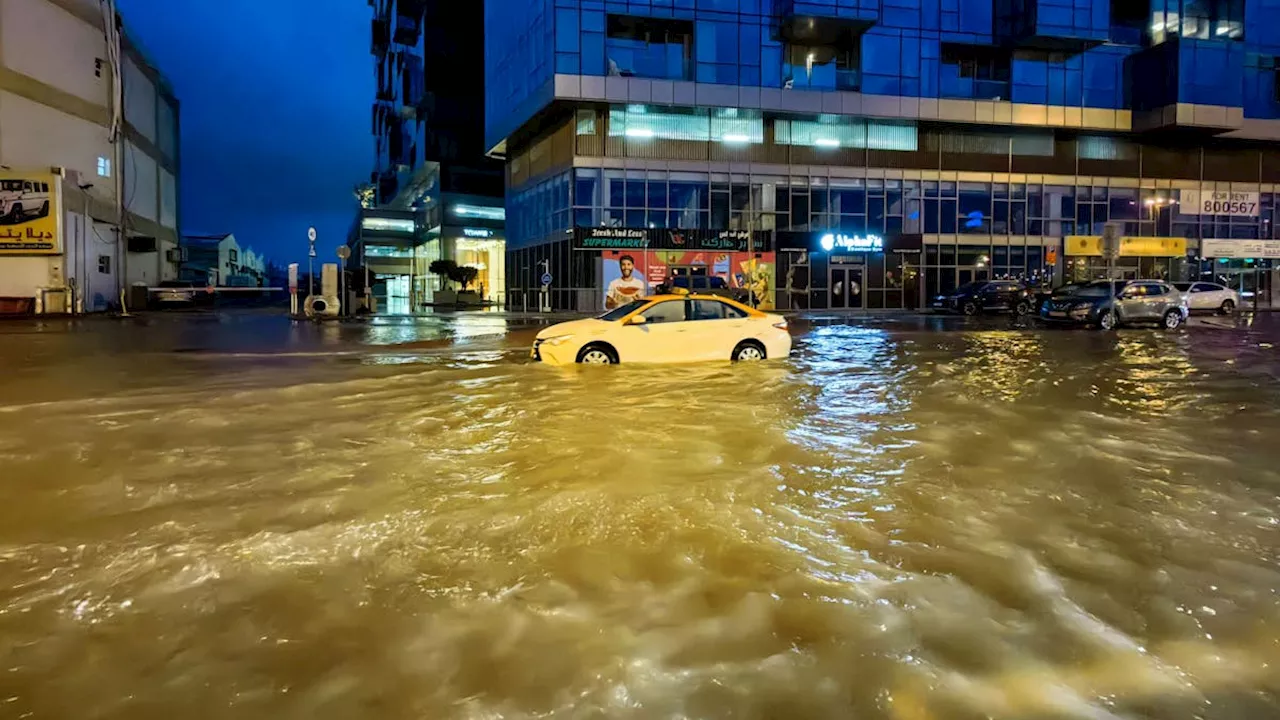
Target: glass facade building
1005	134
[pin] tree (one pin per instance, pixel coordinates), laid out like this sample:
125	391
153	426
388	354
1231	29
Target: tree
465	275
446	269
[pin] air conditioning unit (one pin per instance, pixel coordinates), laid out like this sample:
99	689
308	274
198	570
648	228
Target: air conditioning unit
176	255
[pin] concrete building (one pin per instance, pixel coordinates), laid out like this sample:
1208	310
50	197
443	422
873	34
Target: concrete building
433	193
56	118
872	153
219	260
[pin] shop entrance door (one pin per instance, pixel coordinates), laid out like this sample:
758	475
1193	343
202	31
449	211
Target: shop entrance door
845	288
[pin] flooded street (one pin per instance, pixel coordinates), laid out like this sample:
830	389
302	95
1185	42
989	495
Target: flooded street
235	518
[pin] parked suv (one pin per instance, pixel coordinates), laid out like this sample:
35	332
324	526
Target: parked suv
1110	303
987	296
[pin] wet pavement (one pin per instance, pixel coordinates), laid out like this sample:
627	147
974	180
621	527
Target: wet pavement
233	516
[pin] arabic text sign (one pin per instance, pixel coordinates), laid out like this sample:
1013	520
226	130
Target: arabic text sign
28	213
1219	202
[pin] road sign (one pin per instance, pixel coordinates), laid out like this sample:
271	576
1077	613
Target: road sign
344	252
311	234
546	278
312	252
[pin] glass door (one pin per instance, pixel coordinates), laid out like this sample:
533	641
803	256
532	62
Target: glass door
845	288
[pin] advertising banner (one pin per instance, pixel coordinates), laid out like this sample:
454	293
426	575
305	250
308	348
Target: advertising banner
28	213
1091	245
1218	202
1240	249
627	275
608	238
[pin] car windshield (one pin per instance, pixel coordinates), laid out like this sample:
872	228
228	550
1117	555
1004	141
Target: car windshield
1067	289
970	286
624	310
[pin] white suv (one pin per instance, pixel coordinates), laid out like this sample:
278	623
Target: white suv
23	199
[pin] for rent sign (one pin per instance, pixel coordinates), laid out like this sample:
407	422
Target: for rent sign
1219	202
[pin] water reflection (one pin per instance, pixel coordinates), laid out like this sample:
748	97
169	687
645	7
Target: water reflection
895	523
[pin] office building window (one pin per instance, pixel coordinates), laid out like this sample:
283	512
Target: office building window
975	71
836	131
104	264
1100	147
649	47
104	167
586	123
822	67
1203	19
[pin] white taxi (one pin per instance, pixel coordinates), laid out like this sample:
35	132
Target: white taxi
667	329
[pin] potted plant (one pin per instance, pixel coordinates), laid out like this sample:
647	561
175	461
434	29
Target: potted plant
464	276
446	269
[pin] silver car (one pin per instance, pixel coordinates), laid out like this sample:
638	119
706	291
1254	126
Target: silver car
1109	303
1209	297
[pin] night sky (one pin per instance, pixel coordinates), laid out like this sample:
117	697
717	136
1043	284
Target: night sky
275	114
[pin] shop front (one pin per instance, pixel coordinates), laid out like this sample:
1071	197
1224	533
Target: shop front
831	270
1250	267
632	262
1151	258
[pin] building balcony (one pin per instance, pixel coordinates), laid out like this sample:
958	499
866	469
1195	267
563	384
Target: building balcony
408	29
381	36
1187	84
817	21
1060	26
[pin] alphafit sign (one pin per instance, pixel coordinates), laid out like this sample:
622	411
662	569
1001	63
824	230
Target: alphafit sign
855	243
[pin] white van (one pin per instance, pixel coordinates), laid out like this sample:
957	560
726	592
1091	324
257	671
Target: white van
22	200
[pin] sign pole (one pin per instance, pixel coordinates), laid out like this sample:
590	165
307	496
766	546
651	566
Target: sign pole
344	252
311	258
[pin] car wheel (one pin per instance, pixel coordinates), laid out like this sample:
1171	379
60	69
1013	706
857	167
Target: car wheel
748	351
44	210
597	354
1108	320
1172	319
15	214
1022	308
1228	307
970	308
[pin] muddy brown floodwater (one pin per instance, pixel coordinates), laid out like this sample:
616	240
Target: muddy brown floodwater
899	522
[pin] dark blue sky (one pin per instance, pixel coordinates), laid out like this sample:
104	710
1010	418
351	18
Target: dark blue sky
275	114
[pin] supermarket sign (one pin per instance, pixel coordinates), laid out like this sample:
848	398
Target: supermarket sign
1218	202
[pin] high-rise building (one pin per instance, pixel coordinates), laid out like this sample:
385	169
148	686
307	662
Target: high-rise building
433	193
873	153
88	148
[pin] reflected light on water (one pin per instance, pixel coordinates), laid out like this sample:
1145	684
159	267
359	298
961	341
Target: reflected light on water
893	523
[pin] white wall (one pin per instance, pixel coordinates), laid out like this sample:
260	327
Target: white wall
84	243
139	100
53	46
168	199
167	130
37	136
21	276
140	183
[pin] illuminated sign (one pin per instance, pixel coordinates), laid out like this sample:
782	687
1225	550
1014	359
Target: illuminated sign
388	224
477	232
856	243
484	213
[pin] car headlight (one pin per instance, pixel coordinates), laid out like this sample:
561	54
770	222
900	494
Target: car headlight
555	339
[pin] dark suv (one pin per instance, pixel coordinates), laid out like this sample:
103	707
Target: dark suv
1109	303
987	296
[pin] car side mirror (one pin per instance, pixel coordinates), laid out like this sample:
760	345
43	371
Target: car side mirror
637	320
